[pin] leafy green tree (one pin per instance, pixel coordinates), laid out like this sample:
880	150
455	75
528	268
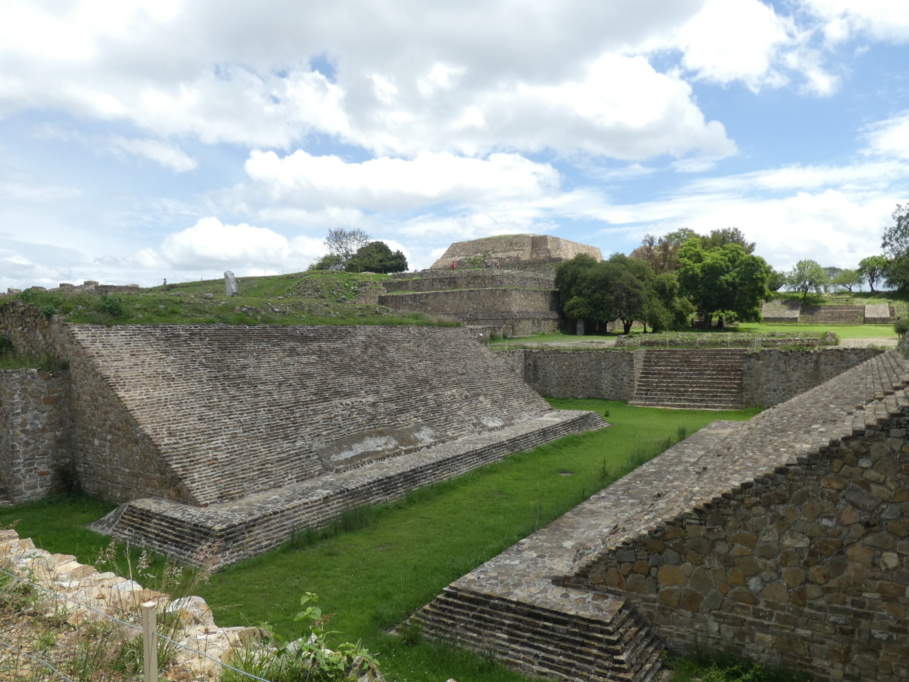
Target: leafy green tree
873	269
807	276
329	261
896	247
776	281
727	235
377	257
725	281
846	280
615	293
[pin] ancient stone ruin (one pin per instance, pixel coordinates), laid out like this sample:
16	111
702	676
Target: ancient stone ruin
502	285
221	441
784	539
540	253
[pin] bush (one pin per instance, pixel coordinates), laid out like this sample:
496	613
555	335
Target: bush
901	326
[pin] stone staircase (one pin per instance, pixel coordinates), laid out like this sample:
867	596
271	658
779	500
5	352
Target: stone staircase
832	314
554	640
690	379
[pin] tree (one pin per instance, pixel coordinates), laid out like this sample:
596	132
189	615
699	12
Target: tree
727	235
345	243
807	276
896	247
846	279
662	253
724	281
873	269
776	281
603	291
376	257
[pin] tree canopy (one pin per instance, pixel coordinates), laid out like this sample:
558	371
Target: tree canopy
377	257
807	276
620	288
724	282
873	269
896	247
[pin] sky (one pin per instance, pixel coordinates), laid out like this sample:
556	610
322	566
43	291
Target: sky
150	139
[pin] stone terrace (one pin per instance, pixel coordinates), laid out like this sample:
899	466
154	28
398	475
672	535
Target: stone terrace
611	555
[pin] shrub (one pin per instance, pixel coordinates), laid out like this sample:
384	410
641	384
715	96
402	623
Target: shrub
901	326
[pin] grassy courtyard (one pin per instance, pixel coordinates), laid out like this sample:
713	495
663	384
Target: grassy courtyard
398	557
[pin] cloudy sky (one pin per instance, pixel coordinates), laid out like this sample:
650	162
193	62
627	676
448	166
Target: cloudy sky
151	139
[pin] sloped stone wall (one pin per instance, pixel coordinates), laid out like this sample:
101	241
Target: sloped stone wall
804	560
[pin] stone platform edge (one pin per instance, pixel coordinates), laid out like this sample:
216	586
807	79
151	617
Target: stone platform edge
225	533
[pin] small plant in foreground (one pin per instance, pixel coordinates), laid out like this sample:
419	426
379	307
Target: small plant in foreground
307	659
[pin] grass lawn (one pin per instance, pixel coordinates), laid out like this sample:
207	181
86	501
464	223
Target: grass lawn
372	578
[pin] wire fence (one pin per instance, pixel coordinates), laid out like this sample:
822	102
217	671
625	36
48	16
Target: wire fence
47	635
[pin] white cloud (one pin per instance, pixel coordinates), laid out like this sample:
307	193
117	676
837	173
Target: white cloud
211	243
301	179
168	155
732	40
889	138
845	19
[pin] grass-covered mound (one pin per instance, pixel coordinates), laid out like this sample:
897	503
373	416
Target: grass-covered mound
311	298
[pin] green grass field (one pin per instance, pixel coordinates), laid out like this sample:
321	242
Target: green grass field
371	579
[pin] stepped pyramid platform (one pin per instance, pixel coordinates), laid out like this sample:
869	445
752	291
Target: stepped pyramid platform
782	539
220	441
702	379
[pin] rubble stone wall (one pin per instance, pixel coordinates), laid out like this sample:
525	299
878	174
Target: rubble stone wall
774	376
807	567
34	433
771	376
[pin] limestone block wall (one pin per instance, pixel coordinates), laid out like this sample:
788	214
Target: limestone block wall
479	302
807	566
774	376
34	442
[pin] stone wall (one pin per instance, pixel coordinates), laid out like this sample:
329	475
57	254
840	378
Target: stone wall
81	594
774	376
783	539
485	302
575	374
34	442
771	376
516	248
443	280
804	561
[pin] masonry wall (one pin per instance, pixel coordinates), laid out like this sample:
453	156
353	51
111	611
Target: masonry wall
807	567
34	443
110	455
481	302
774	376
492	278
575	374
771	376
